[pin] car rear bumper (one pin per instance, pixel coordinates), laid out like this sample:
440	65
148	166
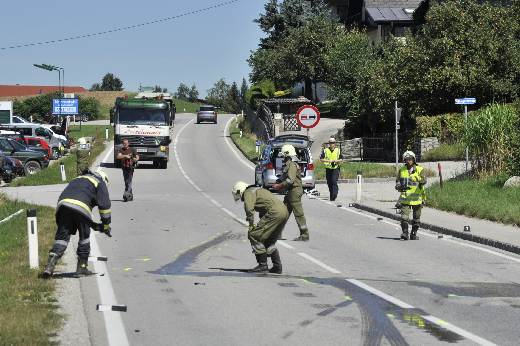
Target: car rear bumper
308	181
206	117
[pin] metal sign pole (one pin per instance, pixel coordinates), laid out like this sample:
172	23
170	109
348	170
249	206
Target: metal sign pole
396	137
466	129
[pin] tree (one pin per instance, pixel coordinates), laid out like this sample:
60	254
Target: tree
219	93
193	94
111	83
95	87
183	92
232	103
243	94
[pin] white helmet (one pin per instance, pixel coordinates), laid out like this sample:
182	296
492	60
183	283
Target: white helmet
102	175
408	155
238	190
288	150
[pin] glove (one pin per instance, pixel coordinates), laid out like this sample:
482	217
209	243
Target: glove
251	228
105	229
398	187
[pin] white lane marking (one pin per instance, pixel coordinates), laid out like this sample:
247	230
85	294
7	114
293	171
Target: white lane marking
458	330
114	326
12	215
285	245
376	292
380	294
107	155
318	262
227	136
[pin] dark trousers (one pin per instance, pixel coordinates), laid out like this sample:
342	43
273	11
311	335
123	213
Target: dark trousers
128	175
69	222
332	176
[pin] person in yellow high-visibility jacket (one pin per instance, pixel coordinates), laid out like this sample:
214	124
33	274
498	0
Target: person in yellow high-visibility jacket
410	182
332	158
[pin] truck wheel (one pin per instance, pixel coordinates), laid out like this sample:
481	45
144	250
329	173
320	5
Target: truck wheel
32	167
163	164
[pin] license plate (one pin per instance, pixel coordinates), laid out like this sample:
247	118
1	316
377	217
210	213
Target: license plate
140	150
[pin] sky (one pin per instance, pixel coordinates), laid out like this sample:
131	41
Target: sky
196	49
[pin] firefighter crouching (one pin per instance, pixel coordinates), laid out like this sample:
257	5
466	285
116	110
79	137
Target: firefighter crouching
74	213
263	236
410	182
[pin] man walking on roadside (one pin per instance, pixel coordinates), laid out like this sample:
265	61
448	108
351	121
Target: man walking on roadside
291	181
263	236
331	158
410	183
129	159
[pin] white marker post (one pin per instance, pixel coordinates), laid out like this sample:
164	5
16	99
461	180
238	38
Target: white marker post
106	133
358	186
32	236
63	174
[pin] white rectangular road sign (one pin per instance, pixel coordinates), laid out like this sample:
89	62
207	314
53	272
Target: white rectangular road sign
466	101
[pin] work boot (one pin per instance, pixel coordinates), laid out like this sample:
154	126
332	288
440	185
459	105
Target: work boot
82	268
130	197
302	237
277	263
262	264
413	234
51	263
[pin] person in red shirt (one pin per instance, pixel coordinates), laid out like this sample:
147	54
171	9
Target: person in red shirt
129	158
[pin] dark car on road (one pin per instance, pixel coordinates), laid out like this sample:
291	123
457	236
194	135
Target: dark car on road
207	113
33	161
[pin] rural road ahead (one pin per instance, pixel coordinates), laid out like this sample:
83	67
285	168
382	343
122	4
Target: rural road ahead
175	247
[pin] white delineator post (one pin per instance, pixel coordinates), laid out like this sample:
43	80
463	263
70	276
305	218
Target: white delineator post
63	174
106	133
358	186
32	236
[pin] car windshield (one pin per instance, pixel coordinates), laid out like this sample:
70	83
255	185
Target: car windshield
140	116
43	132
17	145
207	109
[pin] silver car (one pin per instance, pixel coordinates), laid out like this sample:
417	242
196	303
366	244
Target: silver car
269	167
207	113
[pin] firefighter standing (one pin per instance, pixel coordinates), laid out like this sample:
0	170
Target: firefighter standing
263	236
74	213
332	157
291	181
410	182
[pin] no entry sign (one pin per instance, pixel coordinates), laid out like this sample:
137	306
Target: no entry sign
308	116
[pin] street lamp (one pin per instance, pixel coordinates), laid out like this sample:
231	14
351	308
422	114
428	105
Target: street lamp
55	68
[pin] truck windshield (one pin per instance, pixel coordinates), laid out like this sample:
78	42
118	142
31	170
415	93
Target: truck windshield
142	116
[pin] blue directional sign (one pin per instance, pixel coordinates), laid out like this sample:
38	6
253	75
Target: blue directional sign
466	101
65	106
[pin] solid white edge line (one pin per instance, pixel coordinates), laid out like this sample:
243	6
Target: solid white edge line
380	294
107	155
285	245
318	262
457	330
11	216
227	136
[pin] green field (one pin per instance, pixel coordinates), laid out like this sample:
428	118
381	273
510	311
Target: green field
485	199
29	313
52	174
185	106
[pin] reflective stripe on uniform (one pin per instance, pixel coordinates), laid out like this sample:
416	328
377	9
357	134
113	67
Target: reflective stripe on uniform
289	181
84	241
76	202
92	180
105	211
61	242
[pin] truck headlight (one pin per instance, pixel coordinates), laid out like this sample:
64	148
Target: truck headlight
163	148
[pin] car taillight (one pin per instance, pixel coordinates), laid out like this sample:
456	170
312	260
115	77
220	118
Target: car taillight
310	167
270	165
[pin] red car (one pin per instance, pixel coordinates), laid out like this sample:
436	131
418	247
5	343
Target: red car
36	142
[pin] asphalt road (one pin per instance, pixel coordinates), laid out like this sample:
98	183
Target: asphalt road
352	284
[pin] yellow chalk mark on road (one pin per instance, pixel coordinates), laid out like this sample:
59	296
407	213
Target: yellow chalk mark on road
127	269
144	259
349	298
390	315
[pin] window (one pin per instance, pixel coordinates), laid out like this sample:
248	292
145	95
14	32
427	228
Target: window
5	146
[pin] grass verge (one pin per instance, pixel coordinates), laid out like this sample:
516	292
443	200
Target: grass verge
484	199
184	106
52	174
445	152
247	145
29	313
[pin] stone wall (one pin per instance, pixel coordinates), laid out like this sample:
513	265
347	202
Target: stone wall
422	145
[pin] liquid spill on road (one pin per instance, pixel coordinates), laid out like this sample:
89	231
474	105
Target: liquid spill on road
473	289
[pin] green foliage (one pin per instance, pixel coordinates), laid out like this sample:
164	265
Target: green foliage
428	127
445	152
493	137
183	92
40	107
260	90
111	83
485	199
193	94
448	128
225	96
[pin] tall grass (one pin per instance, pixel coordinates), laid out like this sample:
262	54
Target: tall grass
492	136
445	152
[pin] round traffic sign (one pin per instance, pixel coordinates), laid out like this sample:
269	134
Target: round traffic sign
308	116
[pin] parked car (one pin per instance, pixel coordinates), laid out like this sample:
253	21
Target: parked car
56	142
19	120
33	161
7	168
38	144
207	113
269	167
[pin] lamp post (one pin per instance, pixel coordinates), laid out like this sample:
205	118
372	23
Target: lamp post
60	70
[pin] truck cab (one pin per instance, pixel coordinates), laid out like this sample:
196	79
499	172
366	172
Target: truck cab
147	124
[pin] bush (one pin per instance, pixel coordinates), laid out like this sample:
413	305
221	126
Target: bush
448	128
493	139
445	152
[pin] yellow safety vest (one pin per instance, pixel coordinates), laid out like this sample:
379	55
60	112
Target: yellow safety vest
331	155
415	194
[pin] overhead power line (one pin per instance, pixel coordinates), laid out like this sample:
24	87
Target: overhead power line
125	28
